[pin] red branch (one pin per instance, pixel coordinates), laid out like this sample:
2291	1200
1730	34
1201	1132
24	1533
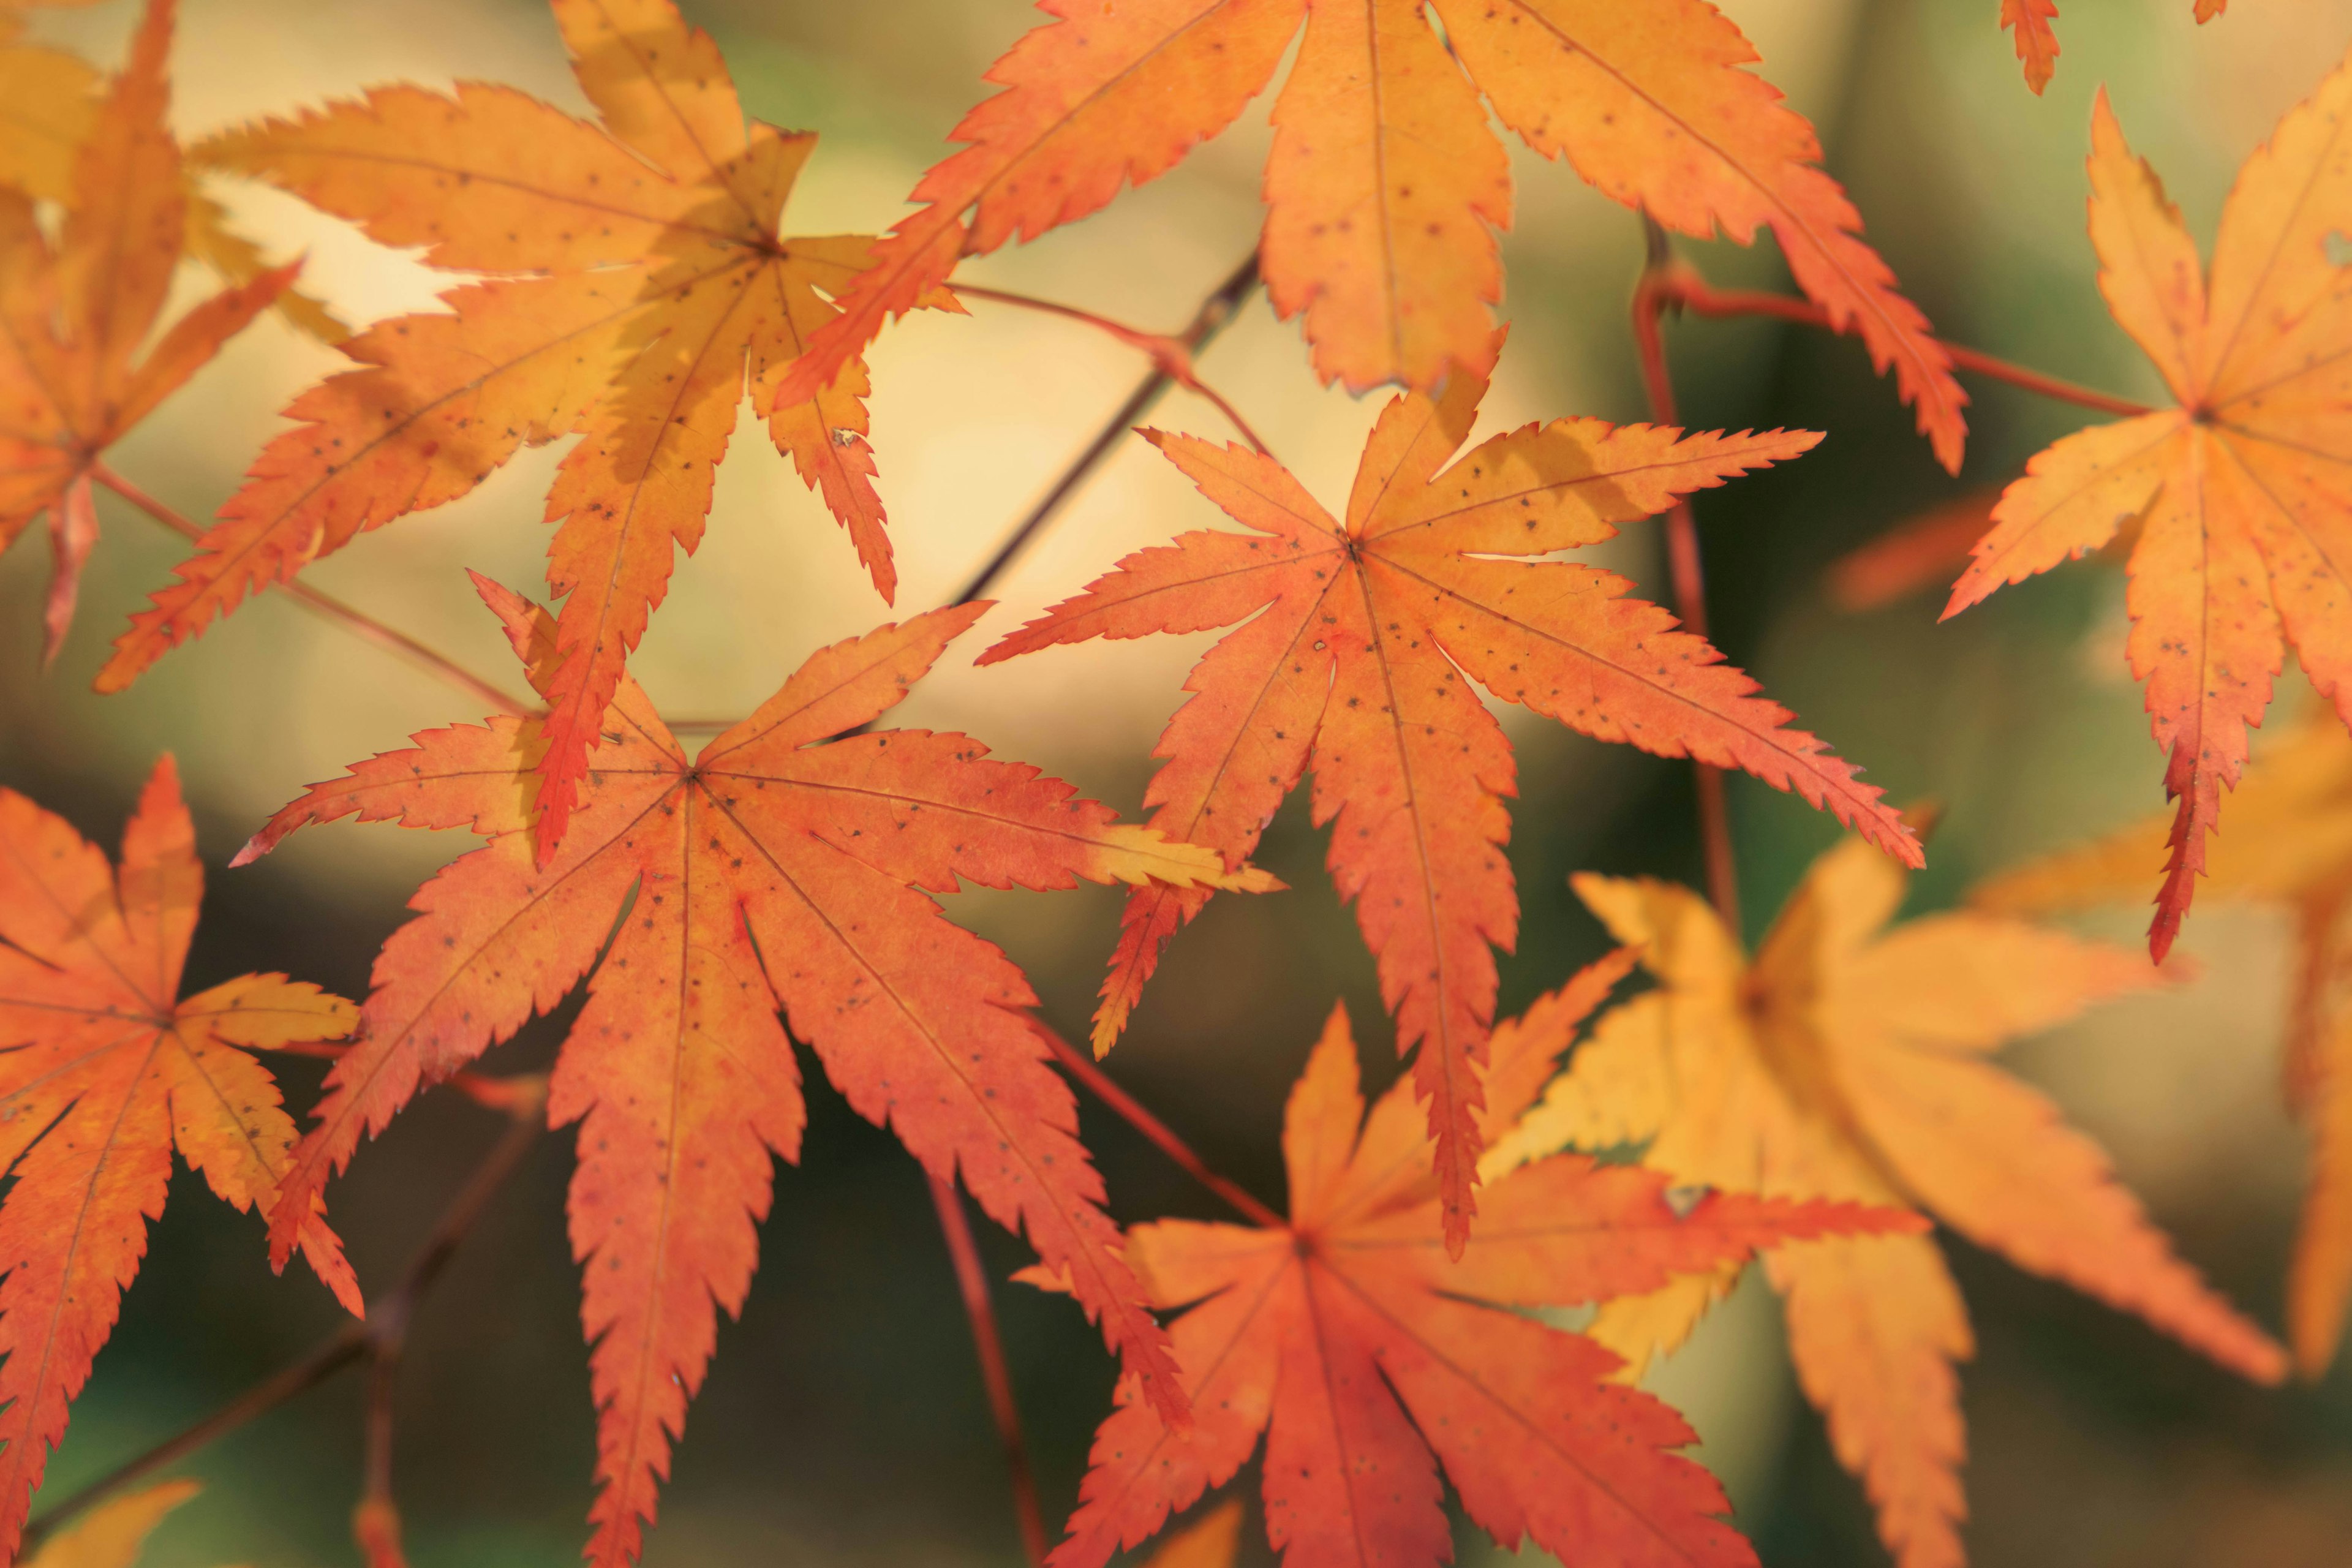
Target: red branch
1656	290
349	617
1679	288
1082	1066
1668	284
971	1280
1171	352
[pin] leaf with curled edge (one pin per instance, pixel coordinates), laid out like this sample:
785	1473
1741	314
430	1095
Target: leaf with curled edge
1385	188
1357	653
1366	1358
778	869
105	1070
1848	1060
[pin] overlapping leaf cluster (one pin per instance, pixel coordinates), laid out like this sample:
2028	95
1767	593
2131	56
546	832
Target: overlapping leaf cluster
1815	1105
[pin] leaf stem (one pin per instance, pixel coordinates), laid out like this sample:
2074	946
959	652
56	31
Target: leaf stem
1681	288
386	1323
376	1522
1130	1109
971	1280
488	1091
1172	354
1215	311
1652	296
327	606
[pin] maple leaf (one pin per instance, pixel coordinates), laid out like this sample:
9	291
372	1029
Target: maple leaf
113	1533
52	106
644	279
1918	552
1385	187
1213	1542
1358	664
2290	843
2239	493
1848	1061
73	316
768	871
105	1070
1367	1357
52	103
2037	37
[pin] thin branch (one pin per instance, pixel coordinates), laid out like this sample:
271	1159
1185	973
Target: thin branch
329	608
376	1522
971	1280
386	1323
1682	289
525	1120
1210	320
1173	360
1172	354
1130	1109
490	1090
1652	295
348	1345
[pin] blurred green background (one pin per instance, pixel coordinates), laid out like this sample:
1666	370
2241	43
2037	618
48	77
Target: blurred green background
844	1421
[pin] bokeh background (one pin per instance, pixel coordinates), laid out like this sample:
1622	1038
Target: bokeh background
844	1421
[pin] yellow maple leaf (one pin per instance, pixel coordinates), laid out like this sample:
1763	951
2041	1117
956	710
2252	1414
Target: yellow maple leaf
1849	1061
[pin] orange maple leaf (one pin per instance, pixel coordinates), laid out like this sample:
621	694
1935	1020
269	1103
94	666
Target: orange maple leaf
768	871
1916	553
656	281
2037	36
2240	494
2290	843
1385	187
1846	1061
105	1070
1358	664
73	316
1367	1357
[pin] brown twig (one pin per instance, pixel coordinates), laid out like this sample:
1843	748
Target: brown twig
1207	322
330	608
1651	298
971	1280
1210	320
1130	1109
348	1345
386	1325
